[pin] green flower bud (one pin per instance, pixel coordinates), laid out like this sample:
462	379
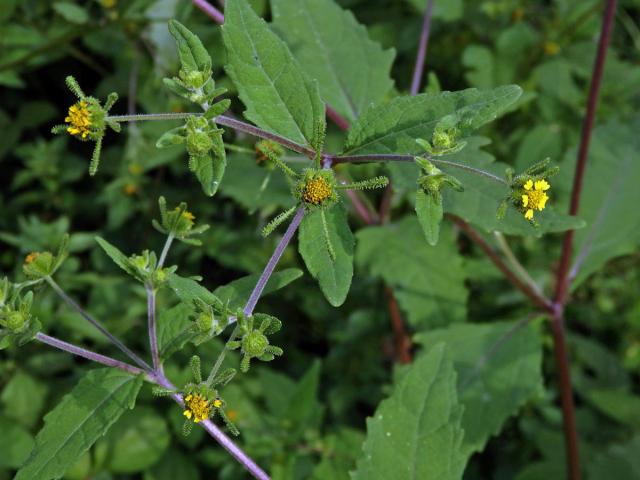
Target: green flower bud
254	343
15	321
38	264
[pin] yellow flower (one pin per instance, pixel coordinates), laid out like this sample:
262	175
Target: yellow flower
187	215
79	119
197	407
31	257
217	403
316	191
534	197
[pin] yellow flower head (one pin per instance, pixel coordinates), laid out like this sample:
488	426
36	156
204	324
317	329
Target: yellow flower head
79	119
197	407
217	403
187	215
534	197
31	257
316	191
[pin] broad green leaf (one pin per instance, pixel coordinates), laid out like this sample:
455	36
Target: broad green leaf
278	95
429	211
117	256
136	442
351	69
394	126
416	433
610	195
193	56
174	329
81	417
23	398
237	293
427	281
15	443
333	274
189	290
499	370
619	461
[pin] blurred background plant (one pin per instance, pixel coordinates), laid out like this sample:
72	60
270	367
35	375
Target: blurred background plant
303	415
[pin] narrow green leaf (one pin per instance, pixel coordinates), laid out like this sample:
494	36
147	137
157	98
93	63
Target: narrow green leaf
429	210
416	433
209	171
193	56
333	275
278	95
117	256
427	281
81	417
499	370
351	69
71	12
394	126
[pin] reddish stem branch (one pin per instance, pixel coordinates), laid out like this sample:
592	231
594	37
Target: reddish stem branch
540	301
341	122
402	339
563	280
210	10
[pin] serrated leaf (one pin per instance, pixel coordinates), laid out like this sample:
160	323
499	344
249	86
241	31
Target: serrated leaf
278	95
416	433
333	274
393	127
429	211
609	197
351	69
499	369
193	56
427	281
81	417
117	256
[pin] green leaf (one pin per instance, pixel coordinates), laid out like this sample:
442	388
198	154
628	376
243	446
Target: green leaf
304	411
333	275
136	442
117	256
15	443
237	293
621	406
81	417
23	398
394	126
278	95
416	433
499	370
209	171
619	461
71	13
351	69
174	329
610	195
193	56
429	211
427	281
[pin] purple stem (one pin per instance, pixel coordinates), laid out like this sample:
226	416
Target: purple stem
88	354
151	325
210	10
273	261
422	50
219	436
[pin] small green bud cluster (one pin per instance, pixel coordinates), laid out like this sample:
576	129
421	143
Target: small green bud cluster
444	140
39	265
17	325
178	223
253	342
208	320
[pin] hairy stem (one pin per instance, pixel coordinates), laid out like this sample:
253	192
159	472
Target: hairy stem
151	326
72	303
165	250
273	261
540	301
210	10
514	262
422	49
223	353
88	354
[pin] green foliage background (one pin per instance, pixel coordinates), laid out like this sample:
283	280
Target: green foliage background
304	415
